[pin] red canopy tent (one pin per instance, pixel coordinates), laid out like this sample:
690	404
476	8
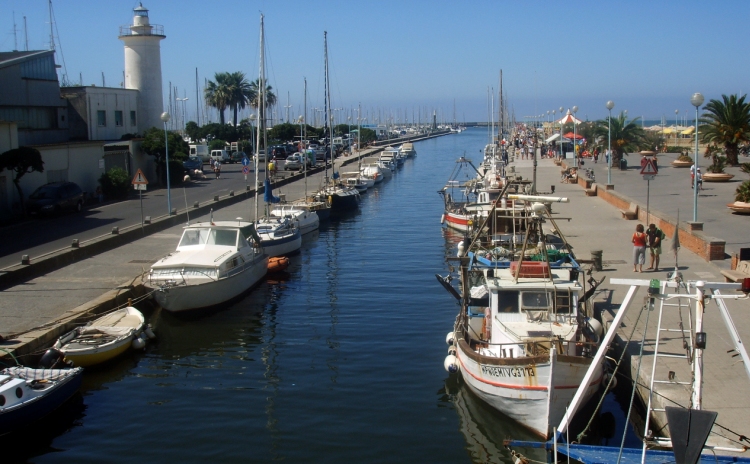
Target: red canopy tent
571	135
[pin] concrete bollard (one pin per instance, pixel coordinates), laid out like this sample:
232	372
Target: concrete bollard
25	260
147	220
196	204
75	243
115	230
596	257
231	193
216	197
173	212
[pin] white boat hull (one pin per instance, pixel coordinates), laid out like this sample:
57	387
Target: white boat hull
520	387
198	293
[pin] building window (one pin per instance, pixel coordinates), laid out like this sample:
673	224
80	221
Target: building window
118	118
101	118
132	118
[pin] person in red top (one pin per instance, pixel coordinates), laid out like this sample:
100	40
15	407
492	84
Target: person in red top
639	248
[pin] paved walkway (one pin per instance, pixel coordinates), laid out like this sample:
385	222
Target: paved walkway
670	192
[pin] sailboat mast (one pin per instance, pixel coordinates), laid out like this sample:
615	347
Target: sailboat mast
260	113
502	108
303	139
326	105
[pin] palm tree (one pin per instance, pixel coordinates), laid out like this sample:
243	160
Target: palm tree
241	93
218	94
626	135
270	98
727	123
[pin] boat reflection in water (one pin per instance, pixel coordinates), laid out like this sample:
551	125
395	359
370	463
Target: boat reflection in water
486	429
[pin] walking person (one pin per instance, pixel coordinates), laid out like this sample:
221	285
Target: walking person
217	169
639	248
655	236
699	180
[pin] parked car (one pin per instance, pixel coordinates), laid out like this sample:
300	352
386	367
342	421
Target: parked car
219	155
55	197
294	162
193	163
237	156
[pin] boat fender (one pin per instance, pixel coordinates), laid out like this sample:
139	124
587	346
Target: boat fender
149	332
605	381
450	339
442	219
52	358
329	200
461	249
452	350
592	330
451	364
138	343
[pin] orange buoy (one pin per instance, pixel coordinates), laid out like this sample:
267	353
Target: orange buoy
278	263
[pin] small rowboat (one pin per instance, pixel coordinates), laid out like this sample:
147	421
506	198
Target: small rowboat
105	338
277	264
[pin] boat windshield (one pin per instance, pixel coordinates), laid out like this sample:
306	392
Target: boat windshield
208	236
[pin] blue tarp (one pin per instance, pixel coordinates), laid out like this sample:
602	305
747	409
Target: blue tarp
268	193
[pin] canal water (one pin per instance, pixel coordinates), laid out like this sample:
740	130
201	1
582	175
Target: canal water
340	360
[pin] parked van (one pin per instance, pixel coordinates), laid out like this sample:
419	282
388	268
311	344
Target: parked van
201	151
220	155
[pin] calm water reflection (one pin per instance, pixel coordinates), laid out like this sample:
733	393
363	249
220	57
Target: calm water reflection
339	360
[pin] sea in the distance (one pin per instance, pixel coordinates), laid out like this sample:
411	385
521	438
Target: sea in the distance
340	361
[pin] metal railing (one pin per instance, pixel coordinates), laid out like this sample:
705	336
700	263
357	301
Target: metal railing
151	29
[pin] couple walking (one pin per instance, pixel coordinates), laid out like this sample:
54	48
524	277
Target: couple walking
652	239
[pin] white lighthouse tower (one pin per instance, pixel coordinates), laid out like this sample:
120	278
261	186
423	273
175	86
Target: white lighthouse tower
143	67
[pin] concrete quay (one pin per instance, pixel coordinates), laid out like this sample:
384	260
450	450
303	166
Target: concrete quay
63	289
598	225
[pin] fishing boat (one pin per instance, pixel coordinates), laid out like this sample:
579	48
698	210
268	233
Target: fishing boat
27	395
105	338
214	263
522	340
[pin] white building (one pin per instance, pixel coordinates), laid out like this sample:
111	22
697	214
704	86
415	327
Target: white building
143	66
101	113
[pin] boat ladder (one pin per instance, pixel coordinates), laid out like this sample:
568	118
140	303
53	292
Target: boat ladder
666	338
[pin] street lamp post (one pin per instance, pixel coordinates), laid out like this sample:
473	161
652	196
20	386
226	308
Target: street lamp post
575	132
610	104
165	117
697	101
562	154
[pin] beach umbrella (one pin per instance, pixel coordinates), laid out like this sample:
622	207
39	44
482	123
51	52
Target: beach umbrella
675	245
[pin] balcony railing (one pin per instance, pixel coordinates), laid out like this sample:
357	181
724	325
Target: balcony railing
155	29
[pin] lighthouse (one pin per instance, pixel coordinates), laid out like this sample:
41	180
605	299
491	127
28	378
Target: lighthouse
143	66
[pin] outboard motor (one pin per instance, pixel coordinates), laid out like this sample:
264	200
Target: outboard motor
54	359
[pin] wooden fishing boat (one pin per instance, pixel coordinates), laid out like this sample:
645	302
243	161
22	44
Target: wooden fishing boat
522	342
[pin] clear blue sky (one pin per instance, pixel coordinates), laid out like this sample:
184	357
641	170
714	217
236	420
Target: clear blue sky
399	56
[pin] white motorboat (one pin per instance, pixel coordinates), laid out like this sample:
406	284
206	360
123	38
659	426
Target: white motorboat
301	213
521	341
407	149
214	262
279	236
371	170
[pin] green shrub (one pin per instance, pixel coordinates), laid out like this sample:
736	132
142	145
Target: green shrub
115	183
